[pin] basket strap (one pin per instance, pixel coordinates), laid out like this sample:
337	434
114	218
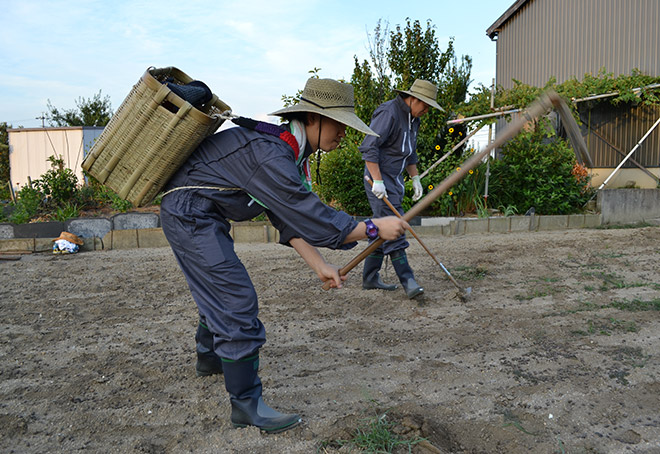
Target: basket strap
269	128
217	188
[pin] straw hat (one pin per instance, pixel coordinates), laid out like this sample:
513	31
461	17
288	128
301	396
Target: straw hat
331	99
70	237
424	91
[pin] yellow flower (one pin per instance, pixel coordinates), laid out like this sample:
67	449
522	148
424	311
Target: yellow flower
451	193
437	147
458	168
460	133
430	187
451	130
471	172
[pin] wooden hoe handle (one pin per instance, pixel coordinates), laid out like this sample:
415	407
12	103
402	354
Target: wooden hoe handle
544	103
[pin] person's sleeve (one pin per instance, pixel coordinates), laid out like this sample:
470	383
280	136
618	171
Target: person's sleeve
412	159
382	123
295	211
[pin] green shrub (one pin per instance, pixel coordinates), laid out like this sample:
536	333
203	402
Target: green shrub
59	185
28	202
57	195
342	173
67	211
538	169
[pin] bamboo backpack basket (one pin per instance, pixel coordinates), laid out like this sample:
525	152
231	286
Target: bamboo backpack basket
151	135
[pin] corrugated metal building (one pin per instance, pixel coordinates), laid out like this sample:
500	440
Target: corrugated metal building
565	39
30	148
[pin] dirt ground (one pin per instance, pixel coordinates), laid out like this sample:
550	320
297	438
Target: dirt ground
556	351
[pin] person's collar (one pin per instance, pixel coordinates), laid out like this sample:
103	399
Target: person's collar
402	104
297	128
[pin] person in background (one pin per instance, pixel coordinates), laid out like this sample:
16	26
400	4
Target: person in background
237	174
386	155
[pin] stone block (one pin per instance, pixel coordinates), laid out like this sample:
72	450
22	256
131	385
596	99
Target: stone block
422	230
89	227
476	225
576	221
273	234
457	226
43	244
127	221
151	238
520	223
6	231
121	239
499	224
250	232
435	221
534	223
592	220
17	244
91	244
39	230
552	222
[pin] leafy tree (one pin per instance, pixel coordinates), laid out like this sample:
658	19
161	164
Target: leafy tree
94	111
4	162
397	58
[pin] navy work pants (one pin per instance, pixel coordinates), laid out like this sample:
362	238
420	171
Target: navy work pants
218	281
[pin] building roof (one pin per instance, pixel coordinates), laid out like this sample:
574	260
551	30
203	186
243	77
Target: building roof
54	128
494	29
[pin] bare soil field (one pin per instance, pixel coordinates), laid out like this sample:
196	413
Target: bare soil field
556	351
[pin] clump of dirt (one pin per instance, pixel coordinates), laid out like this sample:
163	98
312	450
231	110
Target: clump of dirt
554	351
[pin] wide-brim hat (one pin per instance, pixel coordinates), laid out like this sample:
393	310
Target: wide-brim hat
331	99
424	91
70	237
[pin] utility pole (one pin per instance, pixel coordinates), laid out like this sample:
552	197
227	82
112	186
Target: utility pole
42	118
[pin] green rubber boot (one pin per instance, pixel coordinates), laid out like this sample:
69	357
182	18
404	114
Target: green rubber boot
405	273
371	274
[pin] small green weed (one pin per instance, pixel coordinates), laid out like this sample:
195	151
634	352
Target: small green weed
513	421
624	226
470	272
375	435
637	305
610	325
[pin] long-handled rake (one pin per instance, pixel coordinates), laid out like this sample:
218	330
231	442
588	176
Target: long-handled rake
463	293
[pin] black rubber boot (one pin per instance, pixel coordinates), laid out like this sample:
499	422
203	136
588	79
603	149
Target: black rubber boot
405	273
208	363
371	274
247	405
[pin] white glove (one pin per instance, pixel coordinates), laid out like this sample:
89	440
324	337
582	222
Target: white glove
378	189
417	186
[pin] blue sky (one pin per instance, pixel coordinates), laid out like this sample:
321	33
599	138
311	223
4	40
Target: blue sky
249	52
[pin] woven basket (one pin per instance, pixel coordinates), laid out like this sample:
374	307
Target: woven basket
150	136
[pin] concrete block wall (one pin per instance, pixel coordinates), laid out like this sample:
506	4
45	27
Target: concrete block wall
628	206
143	230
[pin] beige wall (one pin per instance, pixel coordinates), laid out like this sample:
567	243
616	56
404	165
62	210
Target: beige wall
29	149
568	38
625	178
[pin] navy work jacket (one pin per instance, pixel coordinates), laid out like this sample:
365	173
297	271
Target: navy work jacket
262	167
